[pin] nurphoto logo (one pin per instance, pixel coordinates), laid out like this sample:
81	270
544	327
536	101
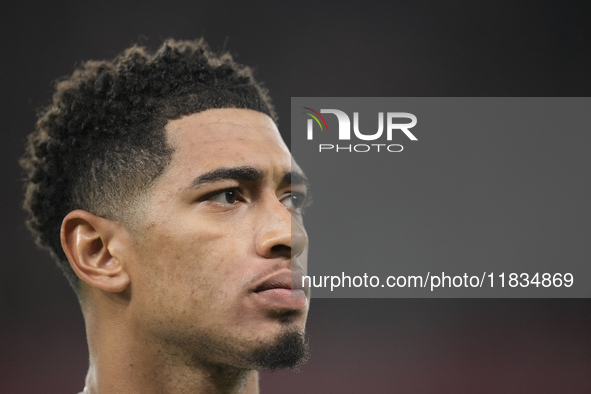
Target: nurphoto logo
344	133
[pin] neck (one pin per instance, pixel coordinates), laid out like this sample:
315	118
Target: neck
125	360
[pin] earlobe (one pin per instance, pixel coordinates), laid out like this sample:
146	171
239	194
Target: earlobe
90	243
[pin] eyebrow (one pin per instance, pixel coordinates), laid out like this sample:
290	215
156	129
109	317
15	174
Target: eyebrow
235	173
295	178
246	173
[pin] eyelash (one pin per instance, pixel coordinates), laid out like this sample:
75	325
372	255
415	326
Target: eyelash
223	191
303	203
305	199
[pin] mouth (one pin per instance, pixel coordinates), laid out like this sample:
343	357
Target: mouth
276	291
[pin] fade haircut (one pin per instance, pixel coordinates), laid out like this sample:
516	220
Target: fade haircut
101	143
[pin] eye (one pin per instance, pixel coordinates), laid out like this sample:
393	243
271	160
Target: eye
225	197
294	201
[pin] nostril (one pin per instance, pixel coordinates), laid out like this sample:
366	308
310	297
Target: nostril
280	249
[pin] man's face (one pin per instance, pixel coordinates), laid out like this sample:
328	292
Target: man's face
211	274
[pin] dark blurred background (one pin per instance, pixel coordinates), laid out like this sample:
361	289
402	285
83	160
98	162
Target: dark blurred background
304	48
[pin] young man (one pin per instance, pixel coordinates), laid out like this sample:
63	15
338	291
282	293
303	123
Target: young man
162	187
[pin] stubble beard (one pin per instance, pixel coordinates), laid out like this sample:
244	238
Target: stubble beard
287	351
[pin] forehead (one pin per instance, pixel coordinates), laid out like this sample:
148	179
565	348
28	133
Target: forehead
226	137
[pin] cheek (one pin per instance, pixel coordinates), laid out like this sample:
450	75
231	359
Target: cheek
192	270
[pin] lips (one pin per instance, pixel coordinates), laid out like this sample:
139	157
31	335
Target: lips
276	292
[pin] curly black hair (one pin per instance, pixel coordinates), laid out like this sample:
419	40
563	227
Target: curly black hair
101	142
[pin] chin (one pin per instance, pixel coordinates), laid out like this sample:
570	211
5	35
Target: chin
270	344
289	350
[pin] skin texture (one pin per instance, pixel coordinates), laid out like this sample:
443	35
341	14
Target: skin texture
172	305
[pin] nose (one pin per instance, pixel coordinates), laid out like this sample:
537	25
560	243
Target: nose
281	235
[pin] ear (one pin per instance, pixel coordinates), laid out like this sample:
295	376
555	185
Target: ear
95	248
